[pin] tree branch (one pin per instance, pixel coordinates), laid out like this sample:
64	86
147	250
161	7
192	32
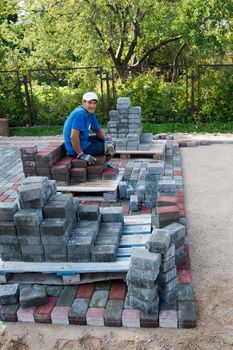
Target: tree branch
157	47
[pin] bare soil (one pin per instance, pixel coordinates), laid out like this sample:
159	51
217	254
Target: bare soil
208	178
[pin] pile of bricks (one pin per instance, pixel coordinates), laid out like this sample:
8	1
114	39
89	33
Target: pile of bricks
93	304
125	127
53	163
53	227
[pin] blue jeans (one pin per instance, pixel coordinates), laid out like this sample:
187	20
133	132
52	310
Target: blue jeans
96	147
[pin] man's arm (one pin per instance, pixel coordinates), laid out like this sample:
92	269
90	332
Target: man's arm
101	134
75	140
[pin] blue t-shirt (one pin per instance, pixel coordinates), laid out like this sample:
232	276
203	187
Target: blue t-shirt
79	120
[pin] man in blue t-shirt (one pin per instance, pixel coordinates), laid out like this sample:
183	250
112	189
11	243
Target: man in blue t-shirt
76	130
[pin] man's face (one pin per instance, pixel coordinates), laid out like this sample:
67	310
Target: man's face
90	106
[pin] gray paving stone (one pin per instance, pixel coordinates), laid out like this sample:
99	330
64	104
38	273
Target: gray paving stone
89	212
104	253
186	314
80	244
78	311
28	230
28	217
167	265
105	240
33	257
159	242
53	226
33	296
176	230
103	285
149	320
9	293
54	290
143	259
8	313
146	306
140	273
113	313
7	211
165	277
169	254
32	249
185	292
28	192
66	296
168	297
99	299
145	294
111	214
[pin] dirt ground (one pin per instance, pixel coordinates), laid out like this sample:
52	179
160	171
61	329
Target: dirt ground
208	177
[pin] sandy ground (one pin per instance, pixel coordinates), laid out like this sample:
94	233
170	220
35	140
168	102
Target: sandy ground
208	177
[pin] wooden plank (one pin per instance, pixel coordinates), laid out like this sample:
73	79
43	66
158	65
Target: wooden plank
134	229
137	219
127	252
62	268
133	240
157	148
93	186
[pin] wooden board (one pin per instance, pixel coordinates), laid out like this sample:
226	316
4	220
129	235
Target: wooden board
133	240
93	186
143	219
135	229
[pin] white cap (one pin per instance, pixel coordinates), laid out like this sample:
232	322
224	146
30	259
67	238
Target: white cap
88	96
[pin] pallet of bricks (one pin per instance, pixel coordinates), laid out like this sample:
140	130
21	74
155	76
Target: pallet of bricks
53	227
52	161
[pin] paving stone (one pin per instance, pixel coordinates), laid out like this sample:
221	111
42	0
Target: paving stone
169	254
168	297
58	209
142	274
53	291
143	259
53	226
95	316
168	319
149	320
118	290
112	240
7	211
42	314
184	276
104	253
185	292
89	212
186	314
60	315
167	265
85	291
78	311
29	192
28	217
33	296
169	286
66	296
113	313
99	299
165	277
172	305
7	228
103	285
144	305
8	313
9	293
30	230
144	294
112	214
176	230
26	315
131	318
158	242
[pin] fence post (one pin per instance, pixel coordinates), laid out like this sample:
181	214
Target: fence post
29	110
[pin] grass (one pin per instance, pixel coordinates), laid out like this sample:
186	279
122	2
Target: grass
147	127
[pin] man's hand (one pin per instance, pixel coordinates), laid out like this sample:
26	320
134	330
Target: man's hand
90	160
108	146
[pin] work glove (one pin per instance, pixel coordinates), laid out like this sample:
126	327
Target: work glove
108	146
90	160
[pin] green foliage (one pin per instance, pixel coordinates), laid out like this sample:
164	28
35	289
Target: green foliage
36	131
216	101
160	101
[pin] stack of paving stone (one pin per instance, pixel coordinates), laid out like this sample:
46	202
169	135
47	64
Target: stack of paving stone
186	307
177	233
142	281
152	179
53	163
81	242
160	241
107	242
125	127
9	242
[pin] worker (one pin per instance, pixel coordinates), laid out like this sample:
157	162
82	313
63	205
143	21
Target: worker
76	130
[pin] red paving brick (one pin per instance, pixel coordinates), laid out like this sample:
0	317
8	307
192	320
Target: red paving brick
184	276
118	290
85	291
